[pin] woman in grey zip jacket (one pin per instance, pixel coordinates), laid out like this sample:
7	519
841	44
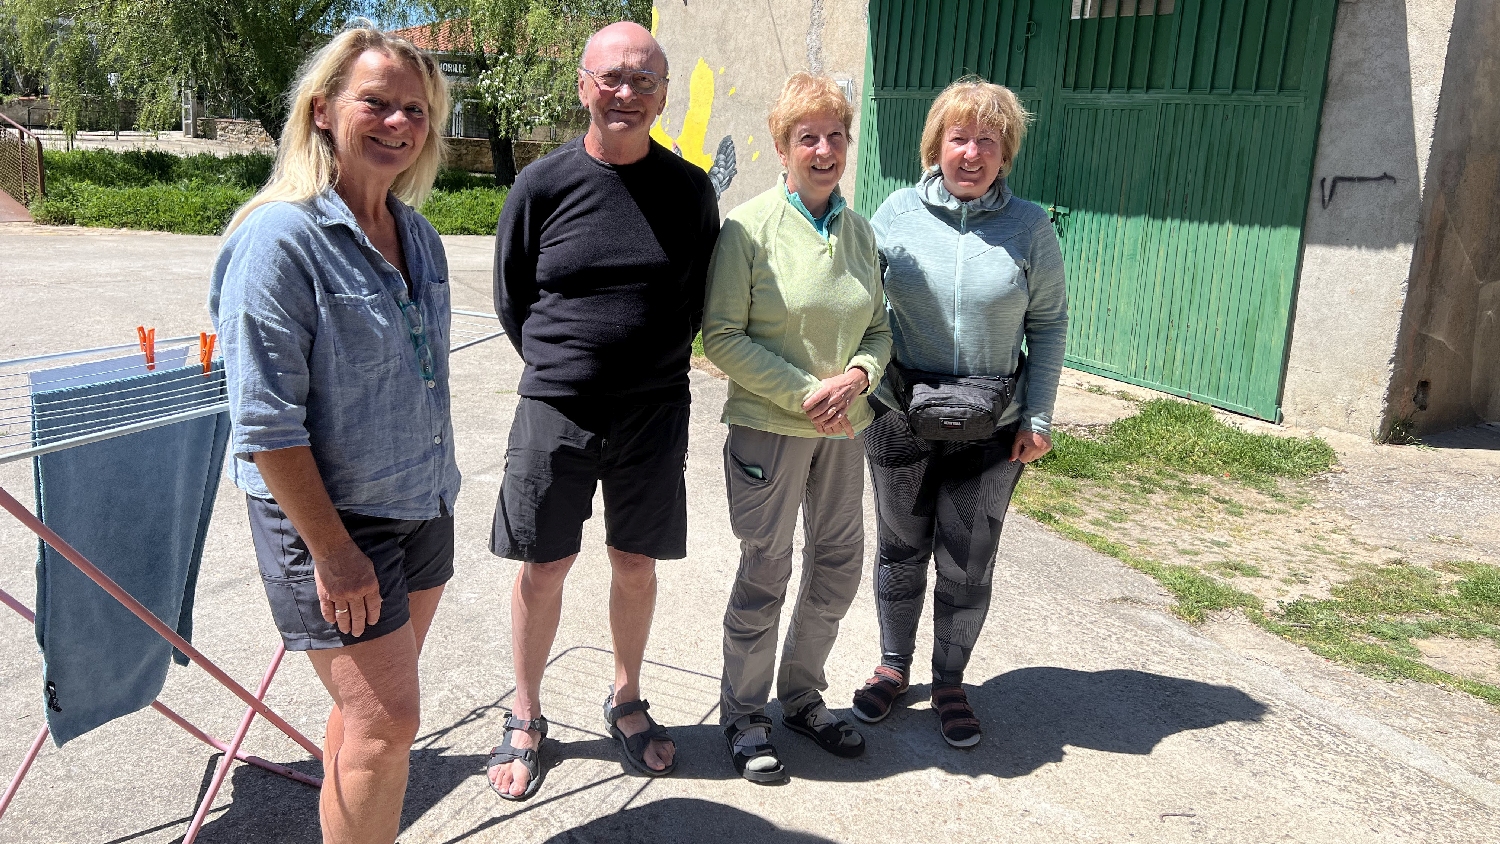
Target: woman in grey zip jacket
970	272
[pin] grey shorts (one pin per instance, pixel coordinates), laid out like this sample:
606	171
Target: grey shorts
560	450
409	556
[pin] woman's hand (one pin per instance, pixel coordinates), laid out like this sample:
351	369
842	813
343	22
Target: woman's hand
828	406
348	593
1030	446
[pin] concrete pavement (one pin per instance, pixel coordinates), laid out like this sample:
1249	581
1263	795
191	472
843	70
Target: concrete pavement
1106	718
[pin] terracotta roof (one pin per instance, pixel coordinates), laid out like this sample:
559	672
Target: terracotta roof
446	37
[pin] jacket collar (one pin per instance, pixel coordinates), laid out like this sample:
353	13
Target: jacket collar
930	187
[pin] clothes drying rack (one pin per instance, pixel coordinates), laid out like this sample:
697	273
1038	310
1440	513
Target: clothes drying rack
17	443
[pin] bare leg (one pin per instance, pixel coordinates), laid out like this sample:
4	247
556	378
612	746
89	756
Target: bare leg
374	721
535	609
423	607
632	603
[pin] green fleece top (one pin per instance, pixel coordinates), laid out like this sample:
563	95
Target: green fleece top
786	309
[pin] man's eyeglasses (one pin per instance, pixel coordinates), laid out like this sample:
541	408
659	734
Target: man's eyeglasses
643	82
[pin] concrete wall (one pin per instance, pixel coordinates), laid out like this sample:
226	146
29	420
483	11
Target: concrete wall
1448	357
1384	74
728	63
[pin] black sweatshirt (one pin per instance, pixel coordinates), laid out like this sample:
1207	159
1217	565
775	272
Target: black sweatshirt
600	273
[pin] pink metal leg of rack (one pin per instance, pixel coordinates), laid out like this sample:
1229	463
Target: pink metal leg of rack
15	782
256	702
228	758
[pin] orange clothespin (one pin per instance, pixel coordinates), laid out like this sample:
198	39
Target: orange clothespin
148	345
206	350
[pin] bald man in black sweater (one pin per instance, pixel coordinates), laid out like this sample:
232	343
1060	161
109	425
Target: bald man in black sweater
601	261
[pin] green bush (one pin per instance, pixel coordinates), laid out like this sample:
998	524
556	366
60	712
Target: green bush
197	194
138	168
188	208
472	211
451	181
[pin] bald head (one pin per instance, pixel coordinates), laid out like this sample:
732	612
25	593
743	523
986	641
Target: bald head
625	44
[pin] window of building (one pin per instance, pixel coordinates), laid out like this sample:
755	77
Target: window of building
1121	8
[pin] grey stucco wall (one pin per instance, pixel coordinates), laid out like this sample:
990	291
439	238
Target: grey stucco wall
729	61
1384	75
1448	356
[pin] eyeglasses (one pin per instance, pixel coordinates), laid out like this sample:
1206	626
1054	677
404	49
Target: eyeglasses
413	314
643	82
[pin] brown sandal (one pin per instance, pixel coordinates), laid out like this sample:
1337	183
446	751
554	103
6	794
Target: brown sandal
956	719
873	702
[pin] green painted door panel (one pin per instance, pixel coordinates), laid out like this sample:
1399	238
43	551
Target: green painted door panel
1175	149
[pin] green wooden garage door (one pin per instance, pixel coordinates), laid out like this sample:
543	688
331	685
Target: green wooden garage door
1174	142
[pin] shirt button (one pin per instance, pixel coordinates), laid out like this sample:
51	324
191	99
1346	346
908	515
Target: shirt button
437	440
431	384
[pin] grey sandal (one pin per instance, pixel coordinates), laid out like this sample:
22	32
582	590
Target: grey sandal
635	746
743	756
530	758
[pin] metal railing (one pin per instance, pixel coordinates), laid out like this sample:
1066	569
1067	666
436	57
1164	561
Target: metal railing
21	172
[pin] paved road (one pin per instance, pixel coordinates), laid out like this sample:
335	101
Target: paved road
1107	719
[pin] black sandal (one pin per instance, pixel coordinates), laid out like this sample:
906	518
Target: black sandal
530	758
742	757
635	746
830	737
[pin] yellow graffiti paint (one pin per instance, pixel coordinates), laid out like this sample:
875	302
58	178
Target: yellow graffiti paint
755	155
731	91
749	139
695	123
655	19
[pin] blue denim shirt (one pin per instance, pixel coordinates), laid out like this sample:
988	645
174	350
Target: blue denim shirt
318	353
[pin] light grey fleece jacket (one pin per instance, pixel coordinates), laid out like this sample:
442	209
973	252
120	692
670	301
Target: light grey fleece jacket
966	282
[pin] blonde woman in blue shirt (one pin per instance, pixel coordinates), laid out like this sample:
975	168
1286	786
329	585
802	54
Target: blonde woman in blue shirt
331	300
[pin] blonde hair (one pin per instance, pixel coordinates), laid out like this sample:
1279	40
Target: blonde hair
971	99
805	94
305	162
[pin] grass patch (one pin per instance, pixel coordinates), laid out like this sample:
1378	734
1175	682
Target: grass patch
1371	621
181	208
1189	438
467	211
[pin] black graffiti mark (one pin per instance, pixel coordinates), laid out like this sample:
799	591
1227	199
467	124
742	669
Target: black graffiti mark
1326	188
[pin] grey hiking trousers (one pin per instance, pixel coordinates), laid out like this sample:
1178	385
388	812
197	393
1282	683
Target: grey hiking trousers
768	477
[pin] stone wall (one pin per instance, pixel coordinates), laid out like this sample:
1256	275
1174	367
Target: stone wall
1448	355
1379	109
473	154
728	63
246	133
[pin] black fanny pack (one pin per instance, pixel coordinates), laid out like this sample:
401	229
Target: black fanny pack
952	407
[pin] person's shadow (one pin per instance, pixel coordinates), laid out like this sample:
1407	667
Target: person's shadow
1030	717
684	820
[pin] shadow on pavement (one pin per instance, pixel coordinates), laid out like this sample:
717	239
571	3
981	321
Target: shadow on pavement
269	808
1030	716
681	819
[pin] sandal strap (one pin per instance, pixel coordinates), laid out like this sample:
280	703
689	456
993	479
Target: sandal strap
953	707
636	744
627	708
537	724
756	719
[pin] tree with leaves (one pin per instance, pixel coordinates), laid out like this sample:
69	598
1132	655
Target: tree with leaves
242	54
525	52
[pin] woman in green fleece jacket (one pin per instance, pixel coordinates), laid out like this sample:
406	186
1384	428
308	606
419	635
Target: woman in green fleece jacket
796	318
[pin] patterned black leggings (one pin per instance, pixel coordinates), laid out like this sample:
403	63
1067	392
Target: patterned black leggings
944	501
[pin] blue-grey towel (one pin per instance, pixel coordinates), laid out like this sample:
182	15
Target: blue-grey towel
138	507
